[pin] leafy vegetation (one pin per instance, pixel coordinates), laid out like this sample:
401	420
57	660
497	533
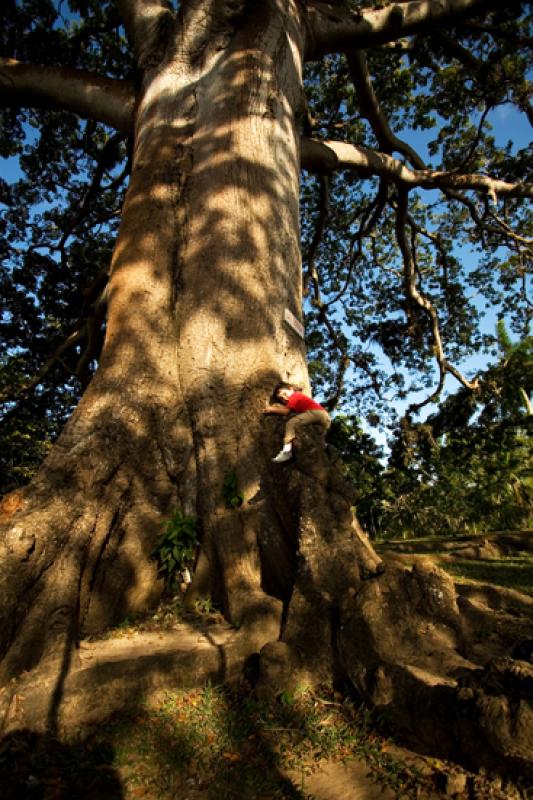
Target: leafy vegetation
466	469
231	493
176	549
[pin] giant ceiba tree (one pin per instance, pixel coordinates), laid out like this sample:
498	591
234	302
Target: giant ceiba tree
203	105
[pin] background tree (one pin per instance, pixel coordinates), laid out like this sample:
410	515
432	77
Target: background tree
468	466
203	106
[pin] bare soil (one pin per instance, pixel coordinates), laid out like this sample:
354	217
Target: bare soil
128	715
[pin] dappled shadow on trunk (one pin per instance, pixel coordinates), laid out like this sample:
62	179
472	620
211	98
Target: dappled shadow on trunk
331	553
206	262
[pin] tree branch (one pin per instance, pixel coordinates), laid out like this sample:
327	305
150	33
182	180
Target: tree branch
414	295
323	211
148	24
327	156
332	29
371	110
312	278
497	32
488	75
366	228
107	158
84	93
207	27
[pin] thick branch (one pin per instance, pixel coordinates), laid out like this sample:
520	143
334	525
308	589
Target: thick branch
332	29
207	27
372	111
84	93
327	156
148	24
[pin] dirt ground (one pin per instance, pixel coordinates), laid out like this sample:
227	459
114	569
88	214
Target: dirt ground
185	735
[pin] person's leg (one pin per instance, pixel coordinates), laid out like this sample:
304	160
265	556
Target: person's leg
291	428
313	417
290	432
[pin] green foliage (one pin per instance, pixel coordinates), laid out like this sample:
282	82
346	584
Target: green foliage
50	252
468	467
205	606
233	497
443	84
27	430
363	466
176	548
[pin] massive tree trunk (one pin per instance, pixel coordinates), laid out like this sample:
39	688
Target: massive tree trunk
206	262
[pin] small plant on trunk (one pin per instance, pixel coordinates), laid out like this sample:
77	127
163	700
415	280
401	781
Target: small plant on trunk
233	497
175	550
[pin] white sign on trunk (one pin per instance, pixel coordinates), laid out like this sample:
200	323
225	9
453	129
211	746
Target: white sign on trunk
294	323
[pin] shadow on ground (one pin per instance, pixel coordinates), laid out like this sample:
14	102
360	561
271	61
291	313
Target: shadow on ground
34	766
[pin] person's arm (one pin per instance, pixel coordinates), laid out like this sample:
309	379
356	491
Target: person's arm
277	408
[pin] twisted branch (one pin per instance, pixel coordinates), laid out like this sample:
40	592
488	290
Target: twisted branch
326	156
417	297
372	111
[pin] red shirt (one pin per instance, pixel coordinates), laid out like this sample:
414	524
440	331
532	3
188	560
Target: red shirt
300	402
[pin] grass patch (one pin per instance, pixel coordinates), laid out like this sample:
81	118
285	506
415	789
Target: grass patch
169	615
205	744
512	572
223	743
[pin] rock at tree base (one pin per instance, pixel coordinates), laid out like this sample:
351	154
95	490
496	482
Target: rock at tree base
407	650
437	665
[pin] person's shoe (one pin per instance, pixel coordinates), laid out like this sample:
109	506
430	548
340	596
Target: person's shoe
282	456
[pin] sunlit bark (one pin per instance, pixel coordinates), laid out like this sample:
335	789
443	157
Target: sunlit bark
327	156
84	93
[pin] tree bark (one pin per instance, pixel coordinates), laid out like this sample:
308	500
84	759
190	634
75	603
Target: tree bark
334	29
326	156
84	93
206	262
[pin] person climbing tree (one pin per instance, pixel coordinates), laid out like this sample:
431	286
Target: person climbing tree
306	412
